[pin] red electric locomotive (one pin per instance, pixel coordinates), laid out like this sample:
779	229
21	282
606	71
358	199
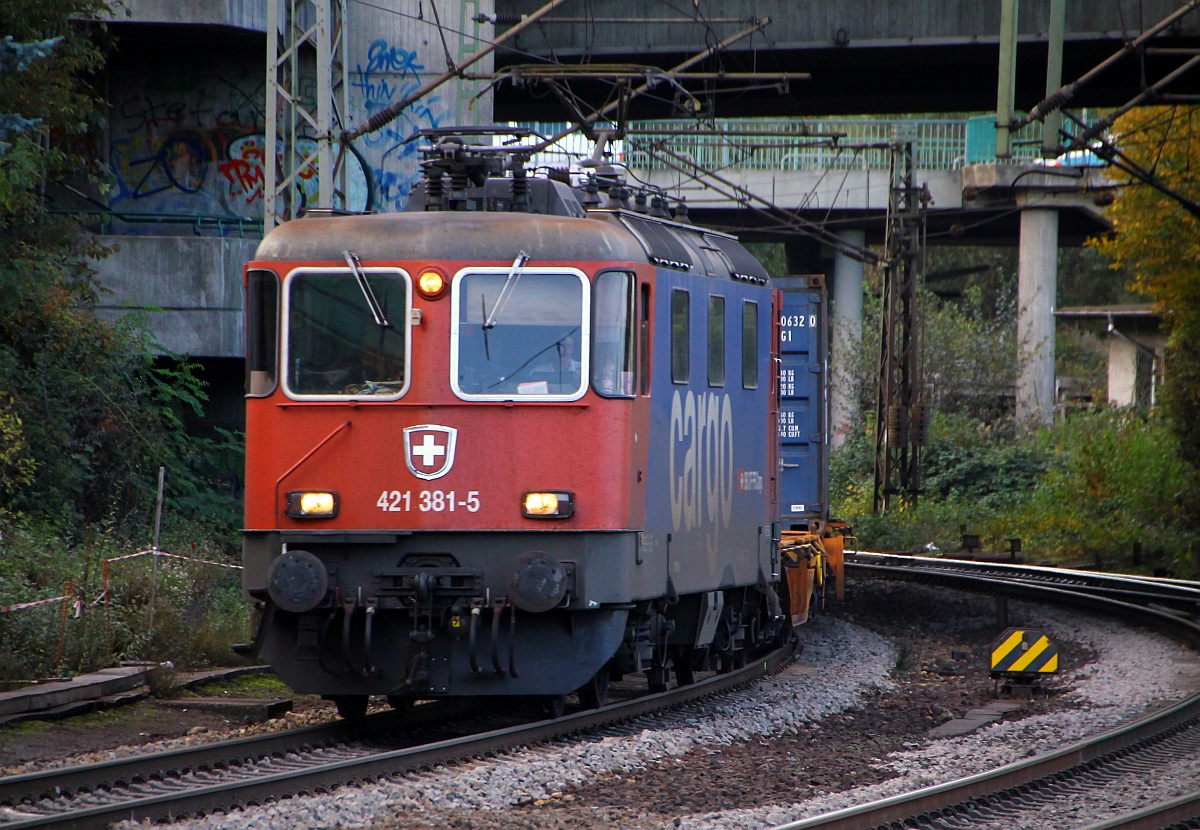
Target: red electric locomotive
521	438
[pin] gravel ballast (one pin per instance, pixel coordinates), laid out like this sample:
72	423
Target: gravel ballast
846	725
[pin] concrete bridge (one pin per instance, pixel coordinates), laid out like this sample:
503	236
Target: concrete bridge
864	56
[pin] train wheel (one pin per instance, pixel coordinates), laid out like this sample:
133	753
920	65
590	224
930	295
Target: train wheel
403	703
656	679
594	693
352	707
733	661
684	660
552	706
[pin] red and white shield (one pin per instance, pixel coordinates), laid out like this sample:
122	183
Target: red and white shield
429	450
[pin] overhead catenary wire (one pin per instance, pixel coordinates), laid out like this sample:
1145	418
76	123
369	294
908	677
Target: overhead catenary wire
758	25
1060	97
392	111
746	197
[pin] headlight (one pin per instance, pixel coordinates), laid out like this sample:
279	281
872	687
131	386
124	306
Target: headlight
312	504
548	504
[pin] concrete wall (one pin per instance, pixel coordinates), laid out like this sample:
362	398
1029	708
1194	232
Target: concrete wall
1126	372
245	14
388	58
188	103
188	289
186	129
186	136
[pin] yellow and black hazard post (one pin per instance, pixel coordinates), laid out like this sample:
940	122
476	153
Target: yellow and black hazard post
1022	656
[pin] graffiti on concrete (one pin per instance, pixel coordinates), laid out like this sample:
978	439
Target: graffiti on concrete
172	138
243	171
195	145
389	74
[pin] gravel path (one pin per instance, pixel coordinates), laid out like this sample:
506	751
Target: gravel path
845	726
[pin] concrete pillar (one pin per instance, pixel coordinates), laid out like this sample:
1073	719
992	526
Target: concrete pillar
1037	283
1122	372
847	338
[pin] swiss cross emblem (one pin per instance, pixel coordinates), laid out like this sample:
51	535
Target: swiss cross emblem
429	450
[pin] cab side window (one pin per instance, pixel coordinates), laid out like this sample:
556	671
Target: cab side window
680	323
613	349
716	340
749	345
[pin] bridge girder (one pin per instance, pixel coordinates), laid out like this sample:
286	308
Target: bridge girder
898	56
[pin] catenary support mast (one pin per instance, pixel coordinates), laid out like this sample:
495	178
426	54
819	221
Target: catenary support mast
305	44
901	417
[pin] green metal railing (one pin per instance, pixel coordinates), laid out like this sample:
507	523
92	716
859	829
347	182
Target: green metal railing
202	224
803	145
829	144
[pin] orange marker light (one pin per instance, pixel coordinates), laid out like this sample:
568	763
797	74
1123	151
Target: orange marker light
431	284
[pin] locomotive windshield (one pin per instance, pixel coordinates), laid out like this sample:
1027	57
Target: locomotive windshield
528	345
336	344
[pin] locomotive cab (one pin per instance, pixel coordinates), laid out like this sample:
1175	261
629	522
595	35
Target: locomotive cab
503	444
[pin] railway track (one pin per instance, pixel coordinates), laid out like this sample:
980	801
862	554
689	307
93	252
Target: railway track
1171	595
1024	794
231	774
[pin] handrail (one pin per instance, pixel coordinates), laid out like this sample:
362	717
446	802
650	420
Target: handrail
200	222
788	144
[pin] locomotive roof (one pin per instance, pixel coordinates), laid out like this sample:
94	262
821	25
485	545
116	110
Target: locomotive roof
450	235
607	234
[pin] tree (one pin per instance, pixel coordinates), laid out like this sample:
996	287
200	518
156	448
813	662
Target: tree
1158	237
87	411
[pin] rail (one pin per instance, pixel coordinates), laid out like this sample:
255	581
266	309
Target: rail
232	774
951	801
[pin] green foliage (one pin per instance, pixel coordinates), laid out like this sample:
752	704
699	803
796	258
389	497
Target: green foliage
16	467
261	685
1158	238
198	610
970	354
1114	479
88	410
1081	492
88	405
47	85
974	475
979	464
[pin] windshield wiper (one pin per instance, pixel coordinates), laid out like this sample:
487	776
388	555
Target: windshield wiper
506	291
372	301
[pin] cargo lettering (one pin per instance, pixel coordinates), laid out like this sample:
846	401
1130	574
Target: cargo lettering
701	460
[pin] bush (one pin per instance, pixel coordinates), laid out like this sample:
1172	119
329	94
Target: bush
1115	479
89	411
1082	492
198	610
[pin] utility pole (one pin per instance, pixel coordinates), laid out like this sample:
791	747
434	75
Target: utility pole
901	417
306	68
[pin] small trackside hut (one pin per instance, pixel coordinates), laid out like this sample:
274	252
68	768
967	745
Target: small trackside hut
517	440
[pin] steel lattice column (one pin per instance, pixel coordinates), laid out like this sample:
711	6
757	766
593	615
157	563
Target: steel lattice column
306	107
901	419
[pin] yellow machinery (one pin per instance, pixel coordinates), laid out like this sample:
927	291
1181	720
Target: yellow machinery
812	559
